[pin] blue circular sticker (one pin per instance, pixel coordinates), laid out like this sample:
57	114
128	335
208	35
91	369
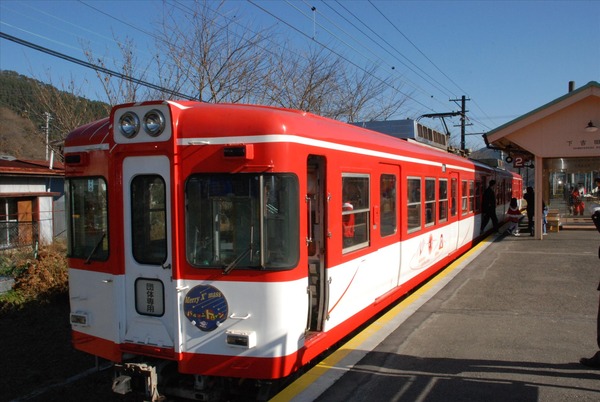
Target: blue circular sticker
205	307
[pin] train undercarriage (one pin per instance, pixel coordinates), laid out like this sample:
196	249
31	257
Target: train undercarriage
160	381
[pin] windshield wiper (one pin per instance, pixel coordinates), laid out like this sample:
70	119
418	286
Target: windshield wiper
87	261
237	260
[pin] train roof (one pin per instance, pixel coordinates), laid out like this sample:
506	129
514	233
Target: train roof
207	120
264	120
92	133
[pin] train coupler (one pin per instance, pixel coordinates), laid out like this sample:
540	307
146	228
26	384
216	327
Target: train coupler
139	378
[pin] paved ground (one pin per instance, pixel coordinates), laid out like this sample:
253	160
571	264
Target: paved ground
510	325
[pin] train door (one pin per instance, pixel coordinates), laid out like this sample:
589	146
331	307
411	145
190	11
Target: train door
454	210
386	217
149	298
317	201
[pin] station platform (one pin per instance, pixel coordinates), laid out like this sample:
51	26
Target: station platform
509	321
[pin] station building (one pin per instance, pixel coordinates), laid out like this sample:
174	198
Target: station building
560	142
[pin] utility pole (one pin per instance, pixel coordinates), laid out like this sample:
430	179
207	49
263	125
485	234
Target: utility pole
463	119
47	129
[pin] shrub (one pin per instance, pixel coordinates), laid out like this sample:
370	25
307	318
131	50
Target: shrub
36	279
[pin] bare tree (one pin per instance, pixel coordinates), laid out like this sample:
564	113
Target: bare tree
117	89
209	56
327	84
65	109
306	82
203	51
367	97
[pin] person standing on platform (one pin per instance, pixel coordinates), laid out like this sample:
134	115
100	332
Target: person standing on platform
596	189
594	361
489	207
514	216
530	198
578	205
545	218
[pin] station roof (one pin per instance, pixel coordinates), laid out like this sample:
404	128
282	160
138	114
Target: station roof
556	129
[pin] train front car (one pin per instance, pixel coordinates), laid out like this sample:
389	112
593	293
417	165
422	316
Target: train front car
214	243
183	239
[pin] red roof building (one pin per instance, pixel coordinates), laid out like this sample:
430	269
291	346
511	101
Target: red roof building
31	202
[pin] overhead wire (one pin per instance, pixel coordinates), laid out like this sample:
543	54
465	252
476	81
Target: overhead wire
441	88
122	21
341	40
377	43
415	46
408	63
375	63
112	40
152	35
185	8
432	63
56	27
36	35
402	55
176	5
337	53
92	66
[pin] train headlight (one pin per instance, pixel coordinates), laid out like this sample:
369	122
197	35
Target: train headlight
154	123
129	124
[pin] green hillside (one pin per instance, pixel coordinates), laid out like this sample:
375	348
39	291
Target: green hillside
29	107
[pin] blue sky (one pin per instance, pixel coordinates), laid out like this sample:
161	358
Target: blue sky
508	57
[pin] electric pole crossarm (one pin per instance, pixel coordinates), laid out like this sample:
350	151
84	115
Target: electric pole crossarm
463	119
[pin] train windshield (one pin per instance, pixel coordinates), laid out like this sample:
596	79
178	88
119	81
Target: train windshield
87	213
242	221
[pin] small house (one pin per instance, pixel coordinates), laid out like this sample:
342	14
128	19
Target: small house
31	202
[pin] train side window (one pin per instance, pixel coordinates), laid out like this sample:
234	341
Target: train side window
465	197
430	208
149	219
453	197
87	212
443	195
414	204
478	195
500	193
471	195
388	204
355	211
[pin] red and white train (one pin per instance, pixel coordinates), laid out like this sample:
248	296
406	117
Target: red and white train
216	242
